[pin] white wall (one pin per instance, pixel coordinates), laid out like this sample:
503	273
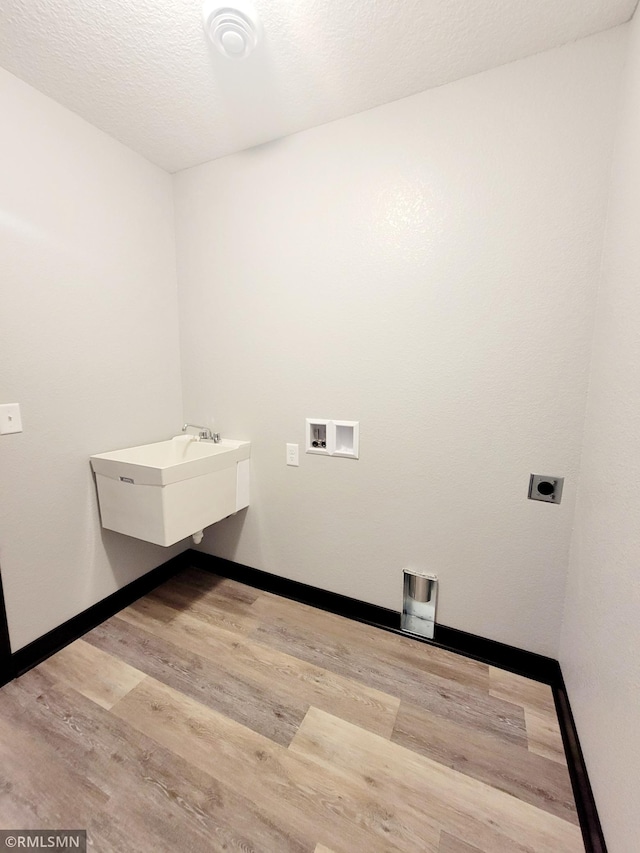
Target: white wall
600	648
88	347
428	268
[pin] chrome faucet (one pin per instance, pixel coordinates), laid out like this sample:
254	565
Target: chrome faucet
203	432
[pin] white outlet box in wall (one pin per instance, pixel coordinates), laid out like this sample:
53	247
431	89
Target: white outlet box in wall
292	455
333	438
10	418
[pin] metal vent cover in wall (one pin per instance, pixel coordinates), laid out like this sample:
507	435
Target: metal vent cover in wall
419	599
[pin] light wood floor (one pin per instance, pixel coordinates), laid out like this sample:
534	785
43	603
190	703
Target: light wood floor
210	716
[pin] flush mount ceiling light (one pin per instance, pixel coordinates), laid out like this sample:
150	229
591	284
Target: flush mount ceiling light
234	28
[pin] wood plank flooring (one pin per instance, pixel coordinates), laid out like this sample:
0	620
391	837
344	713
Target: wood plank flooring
211	716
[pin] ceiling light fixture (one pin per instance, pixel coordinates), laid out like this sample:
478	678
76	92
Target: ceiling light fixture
234	28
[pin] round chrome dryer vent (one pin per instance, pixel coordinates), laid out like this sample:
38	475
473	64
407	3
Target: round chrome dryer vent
234	28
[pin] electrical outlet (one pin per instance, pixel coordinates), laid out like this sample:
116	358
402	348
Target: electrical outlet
543	488
292	454
10	420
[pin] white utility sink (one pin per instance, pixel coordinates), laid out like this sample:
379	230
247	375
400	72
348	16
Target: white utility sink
168	490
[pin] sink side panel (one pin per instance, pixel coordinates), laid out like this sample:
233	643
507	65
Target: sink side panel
132	509
192	505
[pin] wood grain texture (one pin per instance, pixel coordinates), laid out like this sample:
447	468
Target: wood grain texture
521	691
209	716
487	758
159	801
543	734
38	786
491	840
461	805
92	672
199	678
284	680
377	659
290	787
451	844
392	648
216	604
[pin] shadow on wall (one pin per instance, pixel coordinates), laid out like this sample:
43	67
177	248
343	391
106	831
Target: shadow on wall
225	535
5	645
121	552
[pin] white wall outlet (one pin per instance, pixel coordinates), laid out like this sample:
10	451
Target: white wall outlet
292	454
10	418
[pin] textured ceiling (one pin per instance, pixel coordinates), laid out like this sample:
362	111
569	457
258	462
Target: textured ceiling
144	72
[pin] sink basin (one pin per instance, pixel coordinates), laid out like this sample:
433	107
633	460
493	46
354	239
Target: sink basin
168	490
166	462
